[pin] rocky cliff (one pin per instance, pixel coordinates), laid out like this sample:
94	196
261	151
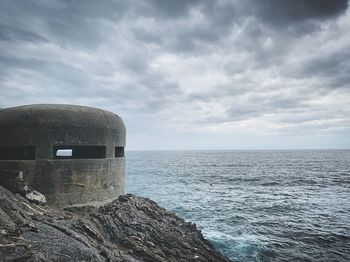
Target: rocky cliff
130	228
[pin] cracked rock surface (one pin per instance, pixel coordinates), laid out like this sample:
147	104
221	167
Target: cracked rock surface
130	228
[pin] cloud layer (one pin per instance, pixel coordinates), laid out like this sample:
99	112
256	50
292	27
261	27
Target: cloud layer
187	74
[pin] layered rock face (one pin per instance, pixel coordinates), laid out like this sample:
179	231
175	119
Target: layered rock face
128	229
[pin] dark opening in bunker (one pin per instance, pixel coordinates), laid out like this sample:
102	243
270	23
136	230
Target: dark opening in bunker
119	151
17	153
79	152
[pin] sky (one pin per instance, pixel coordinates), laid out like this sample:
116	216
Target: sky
195	74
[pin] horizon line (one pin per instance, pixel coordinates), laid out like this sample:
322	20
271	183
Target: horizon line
241	149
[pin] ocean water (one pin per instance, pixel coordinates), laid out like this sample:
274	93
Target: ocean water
254	205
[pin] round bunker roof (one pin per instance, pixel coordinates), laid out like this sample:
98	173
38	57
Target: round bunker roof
49	123
60	114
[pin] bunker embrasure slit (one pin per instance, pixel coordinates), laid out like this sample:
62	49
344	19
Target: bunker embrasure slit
17	153
119	151
64	152
79	152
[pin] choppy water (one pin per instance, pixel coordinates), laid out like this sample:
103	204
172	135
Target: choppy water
254	205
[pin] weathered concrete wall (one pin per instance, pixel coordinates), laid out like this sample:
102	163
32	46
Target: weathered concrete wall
68	182
64	181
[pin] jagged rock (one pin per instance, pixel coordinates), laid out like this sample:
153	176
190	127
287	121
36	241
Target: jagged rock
128	229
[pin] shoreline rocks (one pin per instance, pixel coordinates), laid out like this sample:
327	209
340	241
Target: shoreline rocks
129	228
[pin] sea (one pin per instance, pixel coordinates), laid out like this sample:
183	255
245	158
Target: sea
254	205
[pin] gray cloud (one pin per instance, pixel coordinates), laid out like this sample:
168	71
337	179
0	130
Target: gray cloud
9	33
282	12
65	22
333	68
232	67
172	9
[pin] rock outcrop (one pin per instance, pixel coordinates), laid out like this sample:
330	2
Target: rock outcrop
128	229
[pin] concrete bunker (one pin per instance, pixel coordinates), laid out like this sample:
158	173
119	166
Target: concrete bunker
72	154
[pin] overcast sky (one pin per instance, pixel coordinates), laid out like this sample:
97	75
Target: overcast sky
249	74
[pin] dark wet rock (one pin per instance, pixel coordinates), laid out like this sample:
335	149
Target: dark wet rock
128	229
